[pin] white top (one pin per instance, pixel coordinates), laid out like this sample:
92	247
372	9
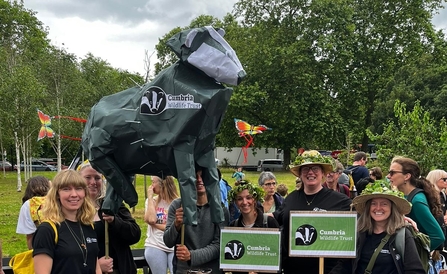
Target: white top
25	224
154	236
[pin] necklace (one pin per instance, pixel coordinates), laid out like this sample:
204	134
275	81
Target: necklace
309	203
81	242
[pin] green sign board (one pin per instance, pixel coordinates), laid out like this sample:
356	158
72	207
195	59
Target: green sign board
254	249
323	234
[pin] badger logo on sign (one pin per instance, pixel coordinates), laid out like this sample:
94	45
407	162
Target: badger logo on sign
305	235
234	250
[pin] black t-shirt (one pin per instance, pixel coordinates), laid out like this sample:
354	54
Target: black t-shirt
67	255
384	262
324	200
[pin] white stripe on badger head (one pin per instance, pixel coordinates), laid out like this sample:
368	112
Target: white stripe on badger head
230	52
190	37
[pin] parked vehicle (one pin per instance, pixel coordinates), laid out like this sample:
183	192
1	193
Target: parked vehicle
270	165
55	165
38	166
234	157
7	165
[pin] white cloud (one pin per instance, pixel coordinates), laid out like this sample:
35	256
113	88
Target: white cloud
119	31
121	46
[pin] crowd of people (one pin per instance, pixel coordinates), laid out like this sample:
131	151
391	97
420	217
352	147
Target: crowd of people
91	241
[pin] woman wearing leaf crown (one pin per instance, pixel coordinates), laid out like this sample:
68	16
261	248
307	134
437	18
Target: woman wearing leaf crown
246	197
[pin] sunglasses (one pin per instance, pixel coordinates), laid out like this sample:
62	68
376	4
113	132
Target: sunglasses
270	184
392	172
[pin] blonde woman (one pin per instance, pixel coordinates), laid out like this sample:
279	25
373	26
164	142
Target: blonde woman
122	227
438	178
66	205
158	255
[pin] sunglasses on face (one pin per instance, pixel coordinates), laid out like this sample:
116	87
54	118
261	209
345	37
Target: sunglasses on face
392	172
270	184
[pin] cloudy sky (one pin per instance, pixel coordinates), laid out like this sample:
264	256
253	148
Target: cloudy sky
119	31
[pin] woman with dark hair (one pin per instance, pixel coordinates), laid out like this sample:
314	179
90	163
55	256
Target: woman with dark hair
405	174
32	200
246	196
375	173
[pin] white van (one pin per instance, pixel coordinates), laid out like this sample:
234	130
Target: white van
270	165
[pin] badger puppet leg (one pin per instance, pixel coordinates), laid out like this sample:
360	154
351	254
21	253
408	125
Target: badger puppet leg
100	160
187	180
211	180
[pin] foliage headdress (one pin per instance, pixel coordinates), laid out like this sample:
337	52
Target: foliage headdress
256	191
381	189
311	157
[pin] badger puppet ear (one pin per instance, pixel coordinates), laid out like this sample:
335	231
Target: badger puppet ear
221	32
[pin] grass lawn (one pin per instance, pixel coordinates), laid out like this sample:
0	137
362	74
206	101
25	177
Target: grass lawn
10	202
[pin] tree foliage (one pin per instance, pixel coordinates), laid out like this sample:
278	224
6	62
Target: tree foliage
414	135
319	73
37	75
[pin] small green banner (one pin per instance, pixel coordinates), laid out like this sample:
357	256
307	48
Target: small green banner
323	234
254	249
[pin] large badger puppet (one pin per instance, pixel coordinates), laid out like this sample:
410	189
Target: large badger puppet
167	126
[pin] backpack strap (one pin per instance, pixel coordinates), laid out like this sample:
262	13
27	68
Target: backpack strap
370	266
236	222
264	223
400	242
413	193
56	235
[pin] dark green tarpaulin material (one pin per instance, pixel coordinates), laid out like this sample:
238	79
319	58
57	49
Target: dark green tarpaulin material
166	126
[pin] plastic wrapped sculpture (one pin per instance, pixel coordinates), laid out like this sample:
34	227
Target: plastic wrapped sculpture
167	126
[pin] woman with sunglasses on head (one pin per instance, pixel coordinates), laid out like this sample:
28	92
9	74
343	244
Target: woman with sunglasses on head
405	174
158	256
68	207
438	178
123	230
272	199
312	169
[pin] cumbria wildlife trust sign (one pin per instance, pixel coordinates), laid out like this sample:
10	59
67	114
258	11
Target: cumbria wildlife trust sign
322	234
254	249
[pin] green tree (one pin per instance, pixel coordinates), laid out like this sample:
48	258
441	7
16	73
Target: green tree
22	41
423	78
414	135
